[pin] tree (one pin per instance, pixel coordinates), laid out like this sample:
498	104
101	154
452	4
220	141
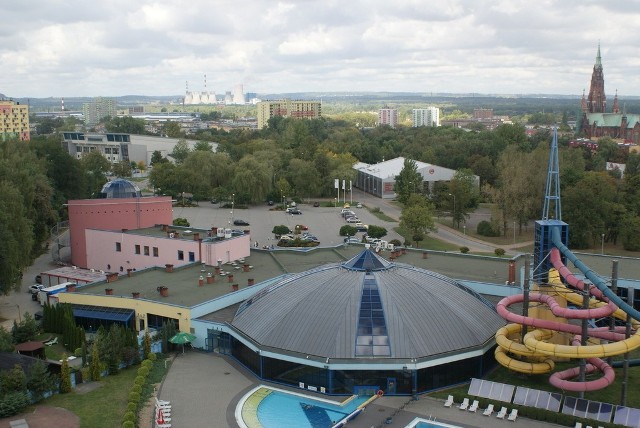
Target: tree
96	168
417	218
122	169
39	381
156	158
180	151
94	365
464	193
146	344
376	231
408	182
65	376
203	146
6	340
26	330
172	130
16	237
347	230
125	124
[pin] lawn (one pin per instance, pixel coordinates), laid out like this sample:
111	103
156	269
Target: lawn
102	407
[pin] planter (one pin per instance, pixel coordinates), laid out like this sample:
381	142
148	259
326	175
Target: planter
70	288
108	291
136	294
230	278
168	268
425	255
200	281
164	291
245	268
234	287
210	278
250	282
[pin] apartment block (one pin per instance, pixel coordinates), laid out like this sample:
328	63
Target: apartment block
429	116
388	116
97	109
287	108
14	120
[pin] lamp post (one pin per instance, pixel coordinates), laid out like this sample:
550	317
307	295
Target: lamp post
335	202
453	220
464	229
233	201
602	244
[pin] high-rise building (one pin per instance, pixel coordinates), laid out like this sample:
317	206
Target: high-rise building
287	108
97	109
429	116
14	120
388	116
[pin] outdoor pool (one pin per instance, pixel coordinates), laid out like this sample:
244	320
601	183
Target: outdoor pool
422	423
282	409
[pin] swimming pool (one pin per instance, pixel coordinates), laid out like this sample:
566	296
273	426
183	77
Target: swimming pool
283	409
423	423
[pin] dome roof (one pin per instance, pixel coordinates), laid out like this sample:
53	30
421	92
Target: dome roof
368	307
119	188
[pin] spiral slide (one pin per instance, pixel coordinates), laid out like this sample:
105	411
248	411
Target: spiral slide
535	355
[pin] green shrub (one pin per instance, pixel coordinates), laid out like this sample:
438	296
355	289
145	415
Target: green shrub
499	252
153	356
347	230
131	407
143	371
134	397
128	424
395	242
139	380
13	403
464	250
78	352
137	388
129	416
485	228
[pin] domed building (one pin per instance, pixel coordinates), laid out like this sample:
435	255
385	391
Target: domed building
365	325
119	188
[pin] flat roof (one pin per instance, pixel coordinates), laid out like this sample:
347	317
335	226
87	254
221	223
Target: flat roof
72	273
184	233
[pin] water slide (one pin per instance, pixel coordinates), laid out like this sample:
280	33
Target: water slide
535	354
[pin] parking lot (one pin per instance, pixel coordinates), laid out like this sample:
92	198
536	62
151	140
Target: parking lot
323	222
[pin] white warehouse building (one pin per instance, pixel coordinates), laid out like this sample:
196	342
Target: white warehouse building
380	179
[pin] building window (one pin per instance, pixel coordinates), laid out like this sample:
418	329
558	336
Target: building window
146	250
137	249
118	247
192	256
180	255
155	251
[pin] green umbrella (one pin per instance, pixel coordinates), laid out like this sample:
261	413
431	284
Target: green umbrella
181	338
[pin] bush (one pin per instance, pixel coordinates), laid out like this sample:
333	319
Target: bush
348	230
134	397
131	407
499	252
78	352
181	222
376	231
128	424
143	371
13	403
153	356
395	242
148	364
137	389
280	230
129	416
486	229
464	250
139	380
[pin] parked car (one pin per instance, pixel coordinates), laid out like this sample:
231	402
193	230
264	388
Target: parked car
293	211
301	227
371	240
316	204
33	289
359	205
270	203
361	227
352	240
238	222
353	220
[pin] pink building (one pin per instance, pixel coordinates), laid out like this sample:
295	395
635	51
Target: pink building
114	211
160	245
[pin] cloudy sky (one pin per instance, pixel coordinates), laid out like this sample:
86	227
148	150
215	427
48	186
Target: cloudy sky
72	48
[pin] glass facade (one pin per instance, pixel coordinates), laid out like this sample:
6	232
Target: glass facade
343	382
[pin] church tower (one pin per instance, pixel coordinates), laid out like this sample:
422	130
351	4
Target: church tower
597	101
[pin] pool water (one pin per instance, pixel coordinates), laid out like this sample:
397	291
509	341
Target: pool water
284	410
421	423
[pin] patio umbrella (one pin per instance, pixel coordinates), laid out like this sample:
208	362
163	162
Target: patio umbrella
181	338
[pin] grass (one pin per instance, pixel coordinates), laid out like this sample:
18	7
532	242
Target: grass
381	215
102	407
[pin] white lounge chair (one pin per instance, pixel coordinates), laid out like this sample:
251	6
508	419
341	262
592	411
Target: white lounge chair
488	411
449	401
52	341
464	405
502	413
514	414
474	406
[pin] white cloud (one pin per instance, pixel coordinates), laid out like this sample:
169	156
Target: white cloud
117	47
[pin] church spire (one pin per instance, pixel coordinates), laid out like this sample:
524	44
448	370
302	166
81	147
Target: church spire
597	100
598	57
616	104
585	109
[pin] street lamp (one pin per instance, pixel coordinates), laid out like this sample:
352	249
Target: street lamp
602	244
335	202
233	201
453	220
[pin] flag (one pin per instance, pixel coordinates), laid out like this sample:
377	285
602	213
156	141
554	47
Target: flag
336	183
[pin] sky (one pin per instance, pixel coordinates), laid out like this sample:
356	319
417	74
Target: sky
72	48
